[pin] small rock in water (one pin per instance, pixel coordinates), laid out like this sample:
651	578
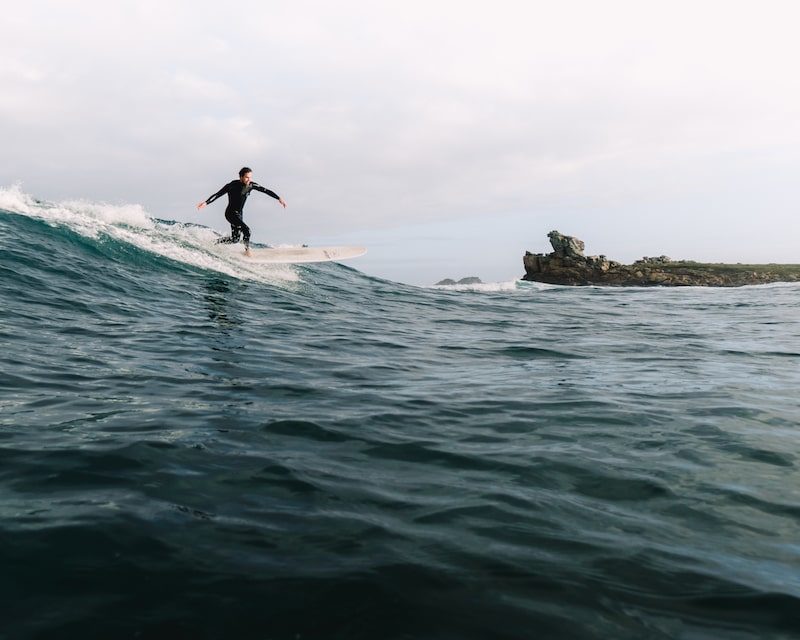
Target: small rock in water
450	281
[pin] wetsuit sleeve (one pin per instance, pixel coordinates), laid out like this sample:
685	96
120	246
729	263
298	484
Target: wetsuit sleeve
217	194
258	187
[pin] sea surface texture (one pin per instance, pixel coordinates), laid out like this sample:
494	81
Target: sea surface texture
195	447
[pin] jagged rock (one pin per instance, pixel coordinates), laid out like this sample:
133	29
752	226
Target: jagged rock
445	282
659	260
567	265
566	246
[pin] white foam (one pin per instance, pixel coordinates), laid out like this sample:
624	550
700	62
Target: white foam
13	199
484	287
130	223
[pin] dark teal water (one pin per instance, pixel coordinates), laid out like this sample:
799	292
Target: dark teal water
194	448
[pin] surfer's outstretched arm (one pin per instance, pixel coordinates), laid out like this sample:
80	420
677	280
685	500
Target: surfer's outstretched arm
211	199
269	192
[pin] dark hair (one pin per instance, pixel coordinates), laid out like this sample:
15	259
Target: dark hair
244	170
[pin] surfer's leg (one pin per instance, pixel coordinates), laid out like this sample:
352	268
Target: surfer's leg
246	234
235	219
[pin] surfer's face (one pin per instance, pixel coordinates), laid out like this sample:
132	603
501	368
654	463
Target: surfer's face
246	178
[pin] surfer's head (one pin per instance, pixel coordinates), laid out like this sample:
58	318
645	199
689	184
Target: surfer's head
245	174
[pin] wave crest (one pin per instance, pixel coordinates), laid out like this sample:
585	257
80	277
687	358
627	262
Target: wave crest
130	224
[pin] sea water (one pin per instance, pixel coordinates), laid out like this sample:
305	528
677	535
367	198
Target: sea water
195	447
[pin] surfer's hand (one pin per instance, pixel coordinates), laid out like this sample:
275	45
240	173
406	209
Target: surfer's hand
283	202
200	205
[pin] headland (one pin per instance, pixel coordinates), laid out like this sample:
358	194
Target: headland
568	265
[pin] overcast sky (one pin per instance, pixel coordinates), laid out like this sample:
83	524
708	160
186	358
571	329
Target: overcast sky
449	137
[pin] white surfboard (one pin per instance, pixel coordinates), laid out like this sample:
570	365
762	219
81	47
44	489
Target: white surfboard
296	255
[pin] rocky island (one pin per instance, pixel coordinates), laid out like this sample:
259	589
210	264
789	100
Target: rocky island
451	282
567	265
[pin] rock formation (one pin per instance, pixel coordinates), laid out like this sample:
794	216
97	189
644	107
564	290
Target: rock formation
450	281
567	265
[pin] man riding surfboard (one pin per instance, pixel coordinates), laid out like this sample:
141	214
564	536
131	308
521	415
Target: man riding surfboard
237	191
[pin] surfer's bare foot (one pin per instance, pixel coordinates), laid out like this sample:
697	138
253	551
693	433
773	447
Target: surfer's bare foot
247	252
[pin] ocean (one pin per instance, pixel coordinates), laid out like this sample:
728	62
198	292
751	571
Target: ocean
196	447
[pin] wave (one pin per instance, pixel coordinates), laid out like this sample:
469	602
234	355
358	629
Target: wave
129	225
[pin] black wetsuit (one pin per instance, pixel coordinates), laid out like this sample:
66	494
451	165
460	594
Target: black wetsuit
237	195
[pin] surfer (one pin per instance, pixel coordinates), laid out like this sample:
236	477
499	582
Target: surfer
237	191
